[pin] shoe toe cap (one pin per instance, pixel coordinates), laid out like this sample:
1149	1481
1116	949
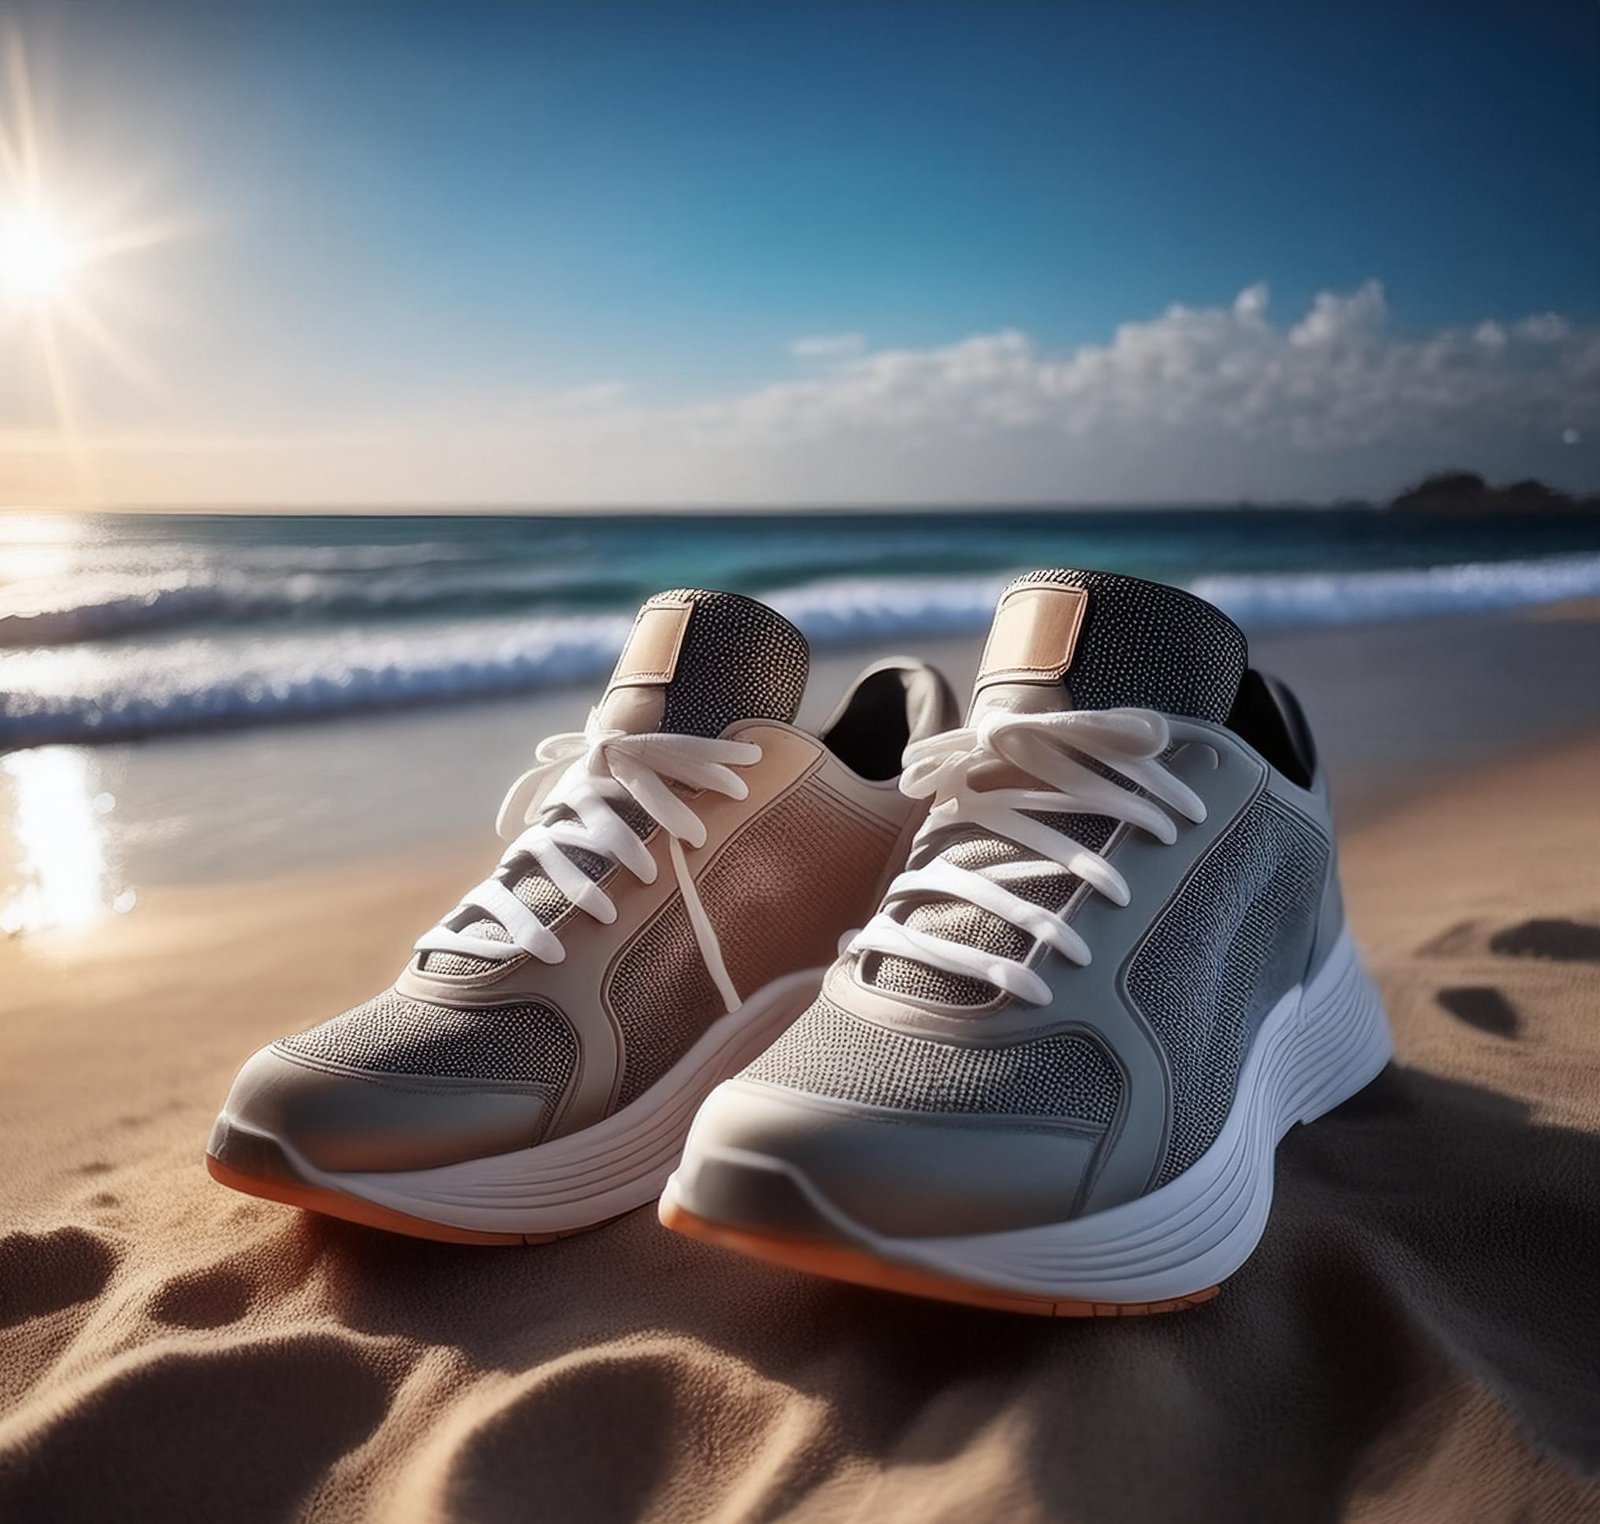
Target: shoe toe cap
344	1119
764	1157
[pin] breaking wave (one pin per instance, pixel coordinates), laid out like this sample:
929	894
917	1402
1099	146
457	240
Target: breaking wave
87	691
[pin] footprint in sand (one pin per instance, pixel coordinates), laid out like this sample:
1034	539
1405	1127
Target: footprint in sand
41	1273
1561	941
203	1299
1558	941
1483	1007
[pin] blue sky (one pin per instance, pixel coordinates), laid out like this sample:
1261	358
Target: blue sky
602	227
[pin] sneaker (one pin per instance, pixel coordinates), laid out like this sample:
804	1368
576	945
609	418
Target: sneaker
1050	1073
678	879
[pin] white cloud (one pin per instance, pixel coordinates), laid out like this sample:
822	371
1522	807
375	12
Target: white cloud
1341	378
1546	328
1197	403
828	346
1334	319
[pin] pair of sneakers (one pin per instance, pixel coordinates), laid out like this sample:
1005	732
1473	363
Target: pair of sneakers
1101	968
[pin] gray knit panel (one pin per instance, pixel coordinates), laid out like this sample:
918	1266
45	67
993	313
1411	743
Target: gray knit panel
1220	949
829	1052
524	1042
1145	645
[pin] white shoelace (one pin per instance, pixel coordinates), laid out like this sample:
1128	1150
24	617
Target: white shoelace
588	773
1049	748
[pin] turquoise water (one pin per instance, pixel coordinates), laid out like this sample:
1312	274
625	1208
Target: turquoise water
122	625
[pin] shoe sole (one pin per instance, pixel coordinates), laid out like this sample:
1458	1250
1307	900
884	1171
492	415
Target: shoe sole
1167	1250
533	1195
861	1268
291	1191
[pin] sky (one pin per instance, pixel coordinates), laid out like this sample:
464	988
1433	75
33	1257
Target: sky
278	253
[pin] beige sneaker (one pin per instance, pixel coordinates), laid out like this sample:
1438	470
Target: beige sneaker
677	881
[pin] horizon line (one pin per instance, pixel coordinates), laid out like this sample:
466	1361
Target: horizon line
753	510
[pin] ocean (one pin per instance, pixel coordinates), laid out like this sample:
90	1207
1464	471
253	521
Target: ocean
118	626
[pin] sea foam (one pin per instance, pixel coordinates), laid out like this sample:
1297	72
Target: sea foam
112	690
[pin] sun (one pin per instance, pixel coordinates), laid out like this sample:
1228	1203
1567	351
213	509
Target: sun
39	256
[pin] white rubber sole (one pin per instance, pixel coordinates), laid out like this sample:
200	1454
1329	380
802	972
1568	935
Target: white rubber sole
588	1177
1317	1047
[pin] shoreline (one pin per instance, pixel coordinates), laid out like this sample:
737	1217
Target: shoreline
1393	706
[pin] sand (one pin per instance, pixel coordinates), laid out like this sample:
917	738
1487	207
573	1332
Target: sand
1418	1336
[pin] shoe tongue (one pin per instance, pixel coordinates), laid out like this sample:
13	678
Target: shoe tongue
1069	640
697	662
1099	640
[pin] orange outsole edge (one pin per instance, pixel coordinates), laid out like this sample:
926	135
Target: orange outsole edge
315	1198
841	1263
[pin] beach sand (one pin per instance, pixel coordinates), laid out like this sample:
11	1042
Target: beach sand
1417	1337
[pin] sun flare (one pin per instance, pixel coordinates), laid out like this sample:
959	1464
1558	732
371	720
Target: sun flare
71	297
39	256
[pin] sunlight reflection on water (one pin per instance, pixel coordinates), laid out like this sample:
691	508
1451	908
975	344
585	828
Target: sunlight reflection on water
58	871
40	545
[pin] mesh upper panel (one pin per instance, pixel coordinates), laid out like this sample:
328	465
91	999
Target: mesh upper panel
1246	911
779	897
829	1052
525	1042
663	999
